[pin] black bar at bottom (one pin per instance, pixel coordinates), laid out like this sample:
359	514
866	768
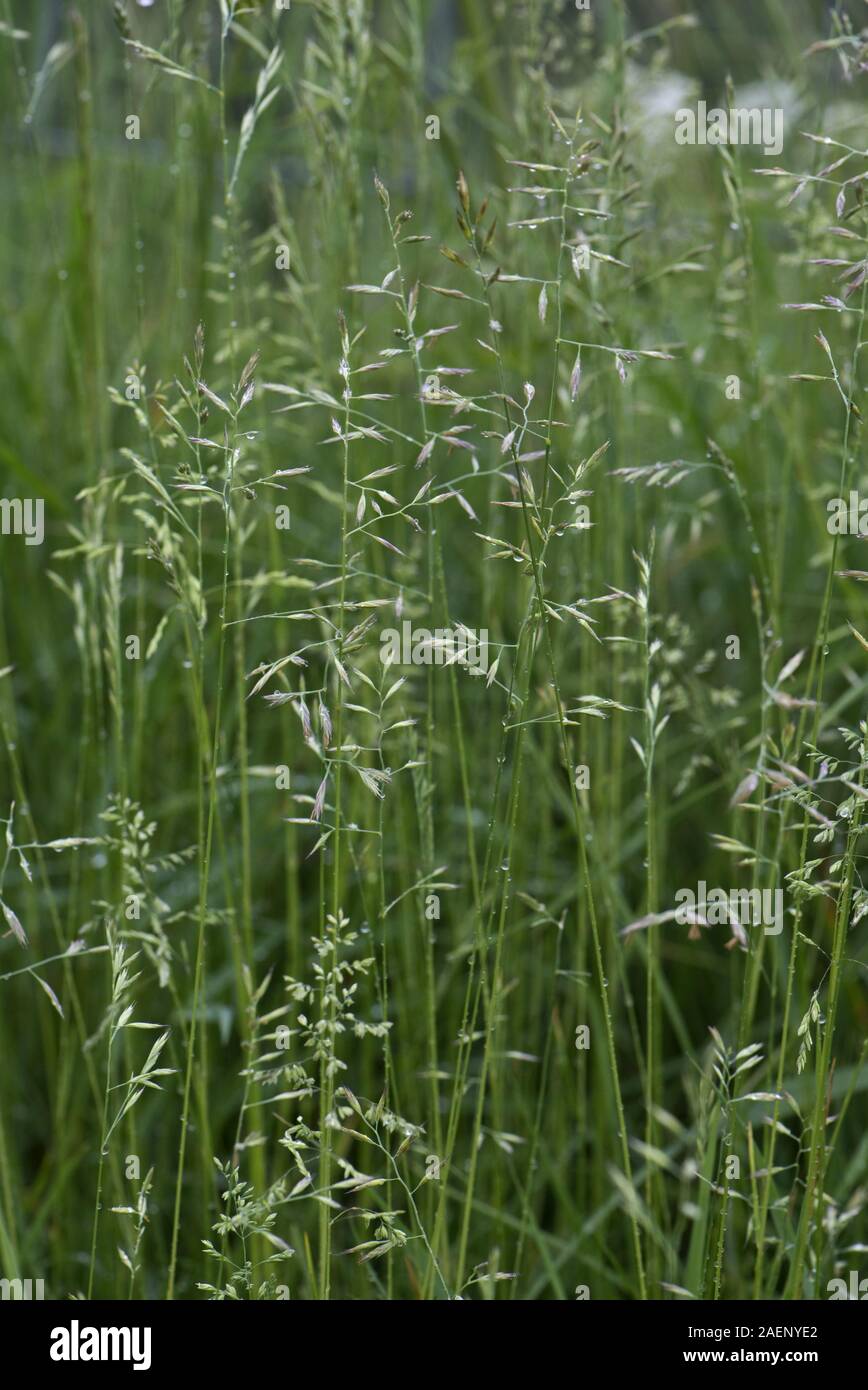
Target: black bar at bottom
63	1339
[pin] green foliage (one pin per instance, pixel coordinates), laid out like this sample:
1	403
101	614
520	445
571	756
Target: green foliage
325	320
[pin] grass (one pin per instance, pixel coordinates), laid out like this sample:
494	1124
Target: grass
331	978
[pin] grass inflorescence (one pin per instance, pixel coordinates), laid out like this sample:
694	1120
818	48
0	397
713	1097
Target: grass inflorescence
327	975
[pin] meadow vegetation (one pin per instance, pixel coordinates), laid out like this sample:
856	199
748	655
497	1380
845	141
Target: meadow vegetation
324	976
